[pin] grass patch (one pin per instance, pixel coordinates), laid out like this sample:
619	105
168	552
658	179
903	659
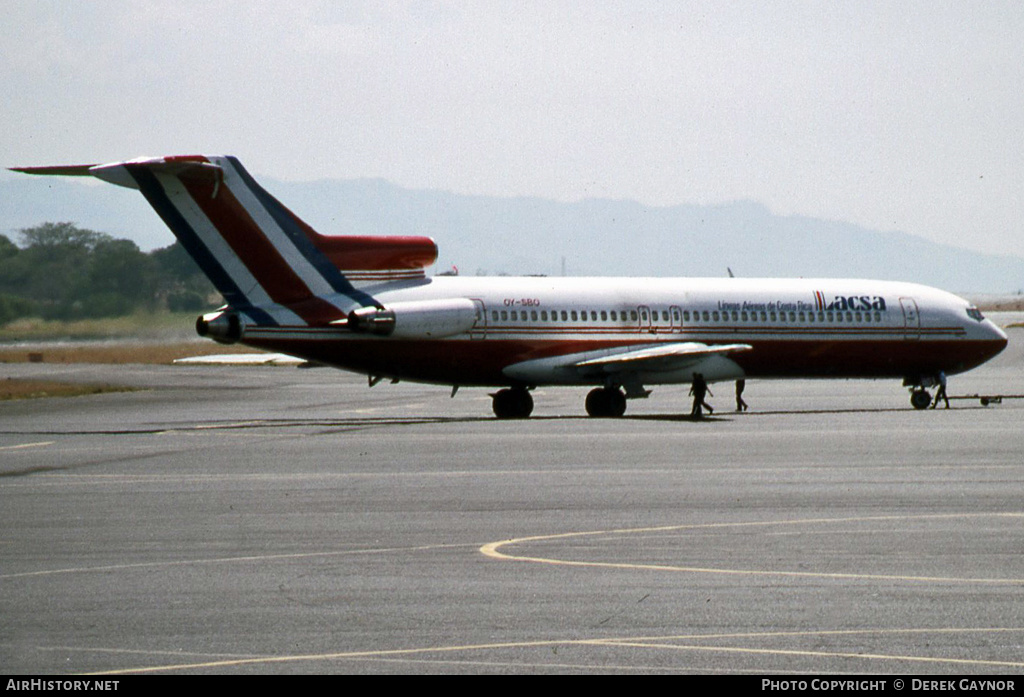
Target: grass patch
152	353
13	388
140	325
142	337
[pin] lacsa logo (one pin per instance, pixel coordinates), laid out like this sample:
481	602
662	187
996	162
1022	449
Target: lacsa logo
853	302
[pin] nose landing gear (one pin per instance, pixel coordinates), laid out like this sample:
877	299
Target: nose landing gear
920	398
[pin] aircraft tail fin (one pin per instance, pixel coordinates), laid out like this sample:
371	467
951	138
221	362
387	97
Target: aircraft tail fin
266	262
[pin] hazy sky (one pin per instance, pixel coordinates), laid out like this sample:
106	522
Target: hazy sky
893	115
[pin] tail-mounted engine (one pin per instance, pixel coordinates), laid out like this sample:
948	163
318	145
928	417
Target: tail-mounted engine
222	326
423	319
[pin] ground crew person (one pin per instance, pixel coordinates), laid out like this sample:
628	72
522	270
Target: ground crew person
941	394
700	390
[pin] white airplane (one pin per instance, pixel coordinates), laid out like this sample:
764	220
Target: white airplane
365	304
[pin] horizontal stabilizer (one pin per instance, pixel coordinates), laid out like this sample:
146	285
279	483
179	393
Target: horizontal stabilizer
192	167
57	170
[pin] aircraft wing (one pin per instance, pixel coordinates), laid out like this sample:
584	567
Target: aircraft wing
676	356
672	356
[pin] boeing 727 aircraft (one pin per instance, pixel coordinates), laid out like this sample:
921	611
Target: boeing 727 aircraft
365	304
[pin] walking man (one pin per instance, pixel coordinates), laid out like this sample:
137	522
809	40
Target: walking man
941	394
700	390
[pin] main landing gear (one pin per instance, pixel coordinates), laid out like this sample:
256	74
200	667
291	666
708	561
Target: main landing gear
516	403
606	402
512	403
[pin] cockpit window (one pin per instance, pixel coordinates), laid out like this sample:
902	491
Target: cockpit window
975	313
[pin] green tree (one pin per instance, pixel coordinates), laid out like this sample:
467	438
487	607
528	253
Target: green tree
62	238
119	266
13	307
53	267
180	281
62	271
7	248
175	262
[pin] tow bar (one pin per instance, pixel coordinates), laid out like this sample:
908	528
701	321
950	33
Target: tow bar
987	399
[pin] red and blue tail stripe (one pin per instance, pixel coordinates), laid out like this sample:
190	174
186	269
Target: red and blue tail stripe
209	260
258	254
301	237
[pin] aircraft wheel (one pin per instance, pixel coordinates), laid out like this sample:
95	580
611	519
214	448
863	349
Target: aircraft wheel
617	402
597	403
606	402
920	399
512	404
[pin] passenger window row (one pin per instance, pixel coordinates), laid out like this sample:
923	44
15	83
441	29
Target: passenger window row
695	318
808	317
564	315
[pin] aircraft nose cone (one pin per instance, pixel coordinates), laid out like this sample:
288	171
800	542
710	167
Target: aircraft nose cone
995	338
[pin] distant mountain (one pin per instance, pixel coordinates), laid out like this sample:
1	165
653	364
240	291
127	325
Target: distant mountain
604	237
491	235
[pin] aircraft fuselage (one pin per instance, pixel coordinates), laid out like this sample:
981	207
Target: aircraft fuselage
796	328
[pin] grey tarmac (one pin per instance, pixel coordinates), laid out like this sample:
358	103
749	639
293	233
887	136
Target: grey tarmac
282	520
